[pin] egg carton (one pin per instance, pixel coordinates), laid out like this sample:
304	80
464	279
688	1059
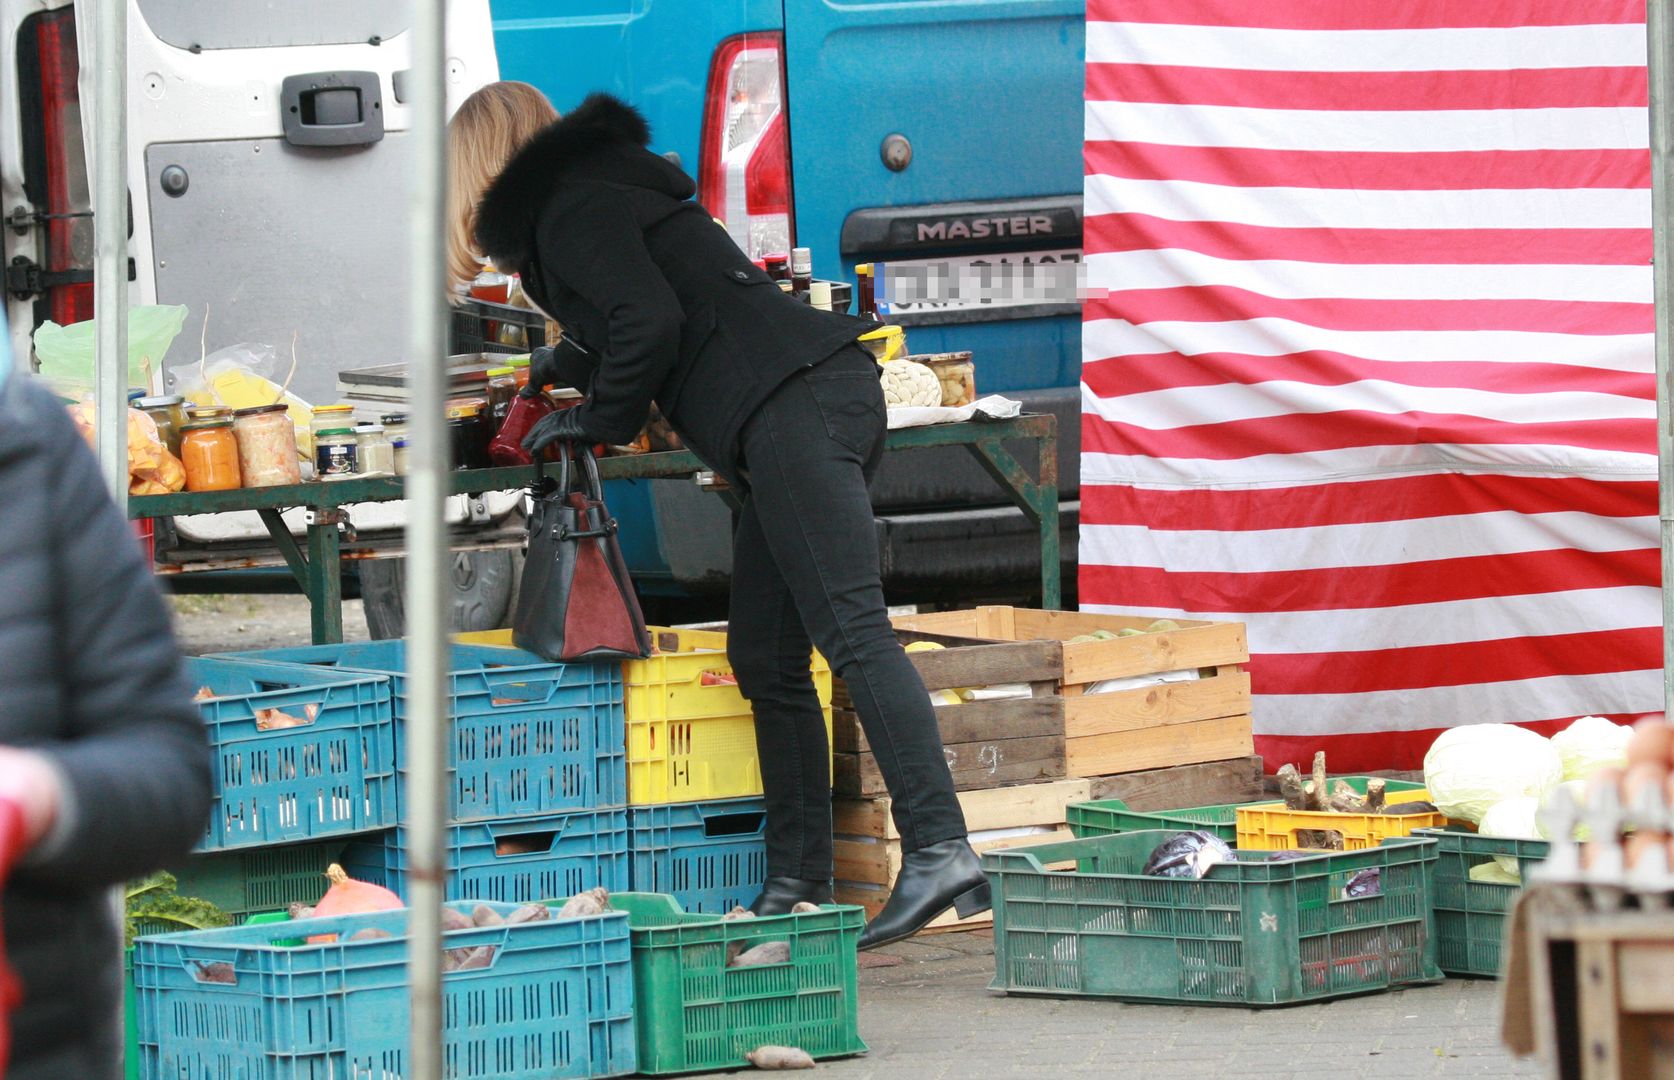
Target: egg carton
1606	877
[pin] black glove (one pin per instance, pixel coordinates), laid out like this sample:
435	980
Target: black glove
565	424
563	364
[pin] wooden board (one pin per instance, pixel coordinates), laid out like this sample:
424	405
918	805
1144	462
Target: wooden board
1197	644
974	765
985	809
1210	783
968	722
1226	693
1155	747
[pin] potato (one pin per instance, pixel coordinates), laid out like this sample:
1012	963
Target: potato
780	1057
529	913
768	952
738	913
805	908
483	915
370	933
454	919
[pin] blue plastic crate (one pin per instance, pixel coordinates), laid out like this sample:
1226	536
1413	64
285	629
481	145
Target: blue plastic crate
709	856
332	775
512	860
525	736
556	1000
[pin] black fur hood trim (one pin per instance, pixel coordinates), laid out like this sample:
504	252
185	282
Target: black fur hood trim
588	140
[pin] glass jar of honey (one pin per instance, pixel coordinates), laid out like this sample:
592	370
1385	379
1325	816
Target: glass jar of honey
209	454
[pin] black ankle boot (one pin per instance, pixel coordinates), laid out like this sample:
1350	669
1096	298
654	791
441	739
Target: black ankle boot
780	894
931	880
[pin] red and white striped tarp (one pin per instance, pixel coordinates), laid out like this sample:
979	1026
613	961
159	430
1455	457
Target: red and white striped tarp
1374	371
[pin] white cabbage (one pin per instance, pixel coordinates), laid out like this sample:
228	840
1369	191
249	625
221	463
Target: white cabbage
1470	768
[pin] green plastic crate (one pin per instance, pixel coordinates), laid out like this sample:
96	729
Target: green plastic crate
1106	817
1103	817
1253	932
243	882
1470	915
695	1014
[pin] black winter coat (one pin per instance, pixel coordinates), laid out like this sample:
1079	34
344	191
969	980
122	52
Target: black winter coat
608	243
89	675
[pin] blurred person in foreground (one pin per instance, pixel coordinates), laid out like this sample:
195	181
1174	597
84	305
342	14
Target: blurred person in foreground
102	753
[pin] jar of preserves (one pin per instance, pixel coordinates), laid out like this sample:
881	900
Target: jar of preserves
469	434
209	455
520	370
395	429
338	417
169	414
267	454
526	408
335	454
491	285
198	413
375	453
502	387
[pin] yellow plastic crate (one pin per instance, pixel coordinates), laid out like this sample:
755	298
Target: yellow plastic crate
687	741
1273	827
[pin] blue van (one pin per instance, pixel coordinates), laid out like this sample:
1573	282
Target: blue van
927	135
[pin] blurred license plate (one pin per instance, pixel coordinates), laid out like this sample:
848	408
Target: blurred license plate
966	282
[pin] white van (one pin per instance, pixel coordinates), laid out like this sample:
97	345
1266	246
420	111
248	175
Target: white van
267	171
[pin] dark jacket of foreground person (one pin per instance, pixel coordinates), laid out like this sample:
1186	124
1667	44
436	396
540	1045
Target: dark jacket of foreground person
91	677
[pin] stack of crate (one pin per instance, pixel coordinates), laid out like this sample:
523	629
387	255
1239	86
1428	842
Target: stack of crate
696	820
536	785
1166	710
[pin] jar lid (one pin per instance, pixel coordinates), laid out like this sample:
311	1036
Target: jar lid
204	425
494	373
393	418
369	429
162	401
515	362
135	393
257	410
210	410
330	432
464	412
318	409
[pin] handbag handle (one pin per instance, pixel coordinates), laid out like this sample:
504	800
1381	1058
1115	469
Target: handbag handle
591	486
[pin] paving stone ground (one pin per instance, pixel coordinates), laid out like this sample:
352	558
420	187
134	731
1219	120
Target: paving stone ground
927	1013
932	1016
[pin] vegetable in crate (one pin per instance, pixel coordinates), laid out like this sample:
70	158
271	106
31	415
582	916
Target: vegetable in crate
346	896
582	904
153	900
1590	744
768	952
1468	769
1188	855
1366	883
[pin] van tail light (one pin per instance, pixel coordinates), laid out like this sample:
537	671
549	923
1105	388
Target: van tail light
744	173
55	161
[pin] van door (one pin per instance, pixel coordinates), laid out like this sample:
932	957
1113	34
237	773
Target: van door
986	95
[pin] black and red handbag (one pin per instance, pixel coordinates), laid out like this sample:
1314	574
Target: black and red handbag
577	601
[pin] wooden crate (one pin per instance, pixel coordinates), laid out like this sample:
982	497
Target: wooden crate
1590	990
1209	783
1180	723
868	847
988	743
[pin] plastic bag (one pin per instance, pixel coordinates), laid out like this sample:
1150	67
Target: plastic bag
66	353
1590	744
242	376
1511	819
152	470
1468	769
1188	855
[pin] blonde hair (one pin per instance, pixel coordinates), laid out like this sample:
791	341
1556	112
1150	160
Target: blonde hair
485	133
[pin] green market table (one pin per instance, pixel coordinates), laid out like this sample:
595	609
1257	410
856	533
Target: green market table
317	566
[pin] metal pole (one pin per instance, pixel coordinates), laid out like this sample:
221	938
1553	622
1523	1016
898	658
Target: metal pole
427	541
1660	57
110	242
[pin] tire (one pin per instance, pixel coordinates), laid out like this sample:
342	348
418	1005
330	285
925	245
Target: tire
484	583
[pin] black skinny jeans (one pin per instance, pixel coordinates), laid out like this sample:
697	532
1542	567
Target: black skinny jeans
805	571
